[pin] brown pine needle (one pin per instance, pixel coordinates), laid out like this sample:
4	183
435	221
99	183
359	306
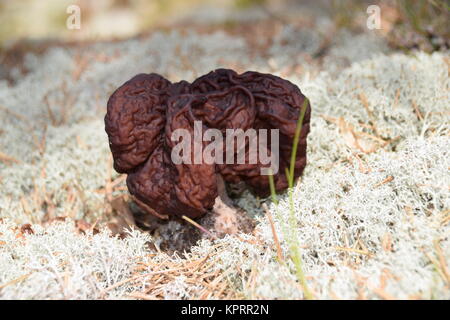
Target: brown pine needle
383	294
397	98
274	233
365	103
15	114
417	111
142	296
387	180
195	224
8	159
367	253
445	217
442	262
19	279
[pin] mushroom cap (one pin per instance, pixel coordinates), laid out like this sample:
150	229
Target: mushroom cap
143	114
135	118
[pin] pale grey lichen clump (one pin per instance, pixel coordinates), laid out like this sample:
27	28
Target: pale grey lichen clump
370	225
346	208
58	263
394	86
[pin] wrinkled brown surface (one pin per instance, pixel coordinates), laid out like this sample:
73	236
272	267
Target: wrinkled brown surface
144	112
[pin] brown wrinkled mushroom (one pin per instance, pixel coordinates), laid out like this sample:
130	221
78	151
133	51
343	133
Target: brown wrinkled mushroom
144	112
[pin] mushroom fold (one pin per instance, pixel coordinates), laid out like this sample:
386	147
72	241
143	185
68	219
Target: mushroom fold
145	113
